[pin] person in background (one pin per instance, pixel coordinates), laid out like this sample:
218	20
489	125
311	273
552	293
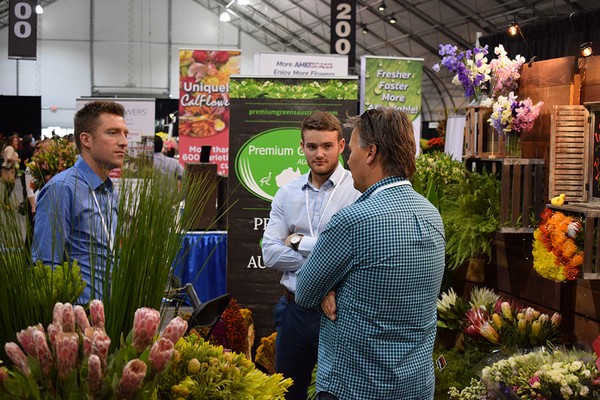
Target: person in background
76	214
25	153
10	167
299	212
384	258
163	163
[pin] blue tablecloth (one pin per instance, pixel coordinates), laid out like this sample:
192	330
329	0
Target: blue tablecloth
202	261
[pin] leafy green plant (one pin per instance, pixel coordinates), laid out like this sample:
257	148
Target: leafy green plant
471	211
436	172
150	228
273	89
460	368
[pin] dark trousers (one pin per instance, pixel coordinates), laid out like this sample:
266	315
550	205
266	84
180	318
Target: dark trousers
325	396
296	345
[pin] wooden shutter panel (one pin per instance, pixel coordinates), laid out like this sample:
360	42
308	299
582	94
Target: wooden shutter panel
569	150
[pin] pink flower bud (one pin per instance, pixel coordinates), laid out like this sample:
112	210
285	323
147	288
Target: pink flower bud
160	355
529	314
175	329
81	318
97	313
556	319
57	314
95	374
17	356
543	318
53	331
25	338
101	345
132	379
66	348
88	336
68	318
145	325
42	352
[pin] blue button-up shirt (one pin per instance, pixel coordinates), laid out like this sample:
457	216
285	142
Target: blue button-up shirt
384	255
76	218
300	207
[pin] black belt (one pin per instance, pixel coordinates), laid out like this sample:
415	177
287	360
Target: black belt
289	295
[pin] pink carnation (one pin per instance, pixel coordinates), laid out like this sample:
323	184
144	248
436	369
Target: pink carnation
175	329
132	379
145	325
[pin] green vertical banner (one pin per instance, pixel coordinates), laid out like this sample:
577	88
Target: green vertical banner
264	143
393	82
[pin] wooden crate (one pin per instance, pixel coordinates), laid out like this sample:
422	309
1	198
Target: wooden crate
523	190
480	138
569	153
590	213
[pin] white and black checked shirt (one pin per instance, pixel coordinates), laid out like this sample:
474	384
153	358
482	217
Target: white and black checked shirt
384	255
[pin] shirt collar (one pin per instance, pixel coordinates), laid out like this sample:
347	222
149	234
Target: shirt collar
90	177
383	182
335	178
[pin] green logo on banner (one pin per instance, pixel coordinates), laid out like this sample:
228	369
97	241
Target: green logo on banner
269	160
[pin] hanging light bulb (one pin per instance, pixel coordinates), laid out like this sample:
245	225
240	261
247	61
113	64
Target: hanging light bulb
381	6
39	9
243	2
393	19
586	49
225	17
513	29
365	30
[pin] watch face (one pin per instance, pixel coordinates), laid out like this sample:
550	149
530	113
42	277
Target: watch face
295	239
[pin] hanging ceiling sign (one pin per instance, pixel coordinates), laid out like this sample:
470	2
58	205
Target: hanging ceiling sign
22	31
343	29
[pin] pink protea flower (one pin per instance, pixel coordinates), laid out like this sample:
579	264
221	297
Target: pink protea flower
475	318
101	345
160	355
66	348
95	374
68	318
131	381
145	325
556	319
175	329
53	331
81	318
42	352
25	338
57	314
17	356
97	313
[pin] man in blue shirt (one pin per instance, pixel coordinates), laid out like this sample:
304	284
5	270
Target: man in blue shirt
384	257
77	209
299	212
167	165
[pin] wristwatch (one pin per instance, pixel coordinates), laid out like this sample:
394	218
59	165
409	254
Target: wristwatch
295	240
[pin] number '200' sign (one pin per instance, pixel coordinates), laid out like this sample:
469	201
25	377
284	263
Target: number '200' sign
343	28
23	29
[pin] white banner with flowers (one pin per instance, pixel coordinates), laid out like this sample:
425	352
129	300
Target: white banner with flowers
204	104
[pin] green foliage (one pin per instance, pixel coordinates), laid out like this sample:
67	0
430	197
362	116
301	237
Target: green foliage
319	89
460	368
28	293
149	230
203	371
436	172
471	212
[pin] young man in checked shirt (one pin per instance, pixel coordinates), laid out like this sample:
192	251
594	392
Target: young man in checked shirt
384	258
299	212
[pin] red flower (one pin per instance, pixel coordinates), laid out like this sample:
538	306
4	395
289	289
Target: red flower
200	56
220	57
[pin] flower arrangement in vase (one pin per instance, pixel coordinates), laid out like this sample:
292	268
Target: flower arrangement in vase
52	157
512	117
557	246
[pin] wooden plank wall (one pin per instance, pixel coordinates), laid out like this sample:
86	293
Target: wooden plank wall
589	70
